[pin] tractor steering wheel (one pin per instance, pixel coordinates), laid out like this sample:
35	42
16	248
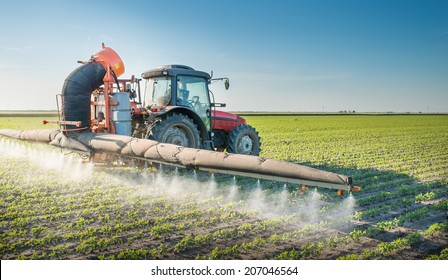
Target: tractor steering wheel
195	104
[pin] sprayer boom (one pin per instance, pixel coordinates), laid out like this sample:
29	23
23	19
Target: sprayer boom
205	160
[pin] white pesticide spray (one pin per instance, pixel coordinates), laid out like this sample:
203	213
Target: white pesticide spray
71	167
282	201
268	202
211	188
232	194
312	207
346	208
257	199
275	200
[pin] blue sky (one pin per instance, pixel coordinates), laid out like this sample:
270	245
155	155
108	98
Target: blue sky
279	55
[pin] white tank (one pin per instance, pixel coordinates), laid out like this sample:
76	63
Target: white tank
121	114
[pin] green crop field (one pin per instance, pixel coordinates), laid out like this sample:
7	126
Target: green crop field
54	205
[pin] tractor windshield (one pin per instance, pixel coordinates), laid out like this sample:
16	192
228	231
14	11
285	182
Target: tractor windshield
158	91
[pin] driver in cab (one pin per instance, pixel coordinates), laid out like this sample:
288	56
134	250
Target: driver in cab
182	97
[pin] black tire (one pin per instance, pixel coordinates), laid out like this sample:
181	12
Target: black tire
177	129
244	139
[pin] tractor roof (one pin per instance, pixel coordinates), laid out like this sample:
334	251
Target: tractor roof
174	70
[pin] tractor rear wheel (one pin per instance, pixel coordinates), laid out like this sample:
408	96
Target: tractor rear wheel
244	139
176	129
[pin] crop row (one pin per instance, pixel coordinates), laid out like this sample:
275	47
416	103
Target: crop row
386	249
314	249
404	191
77	211
411	145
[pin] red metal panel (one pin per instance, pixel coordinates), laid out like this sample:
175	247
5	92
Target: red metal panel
226	121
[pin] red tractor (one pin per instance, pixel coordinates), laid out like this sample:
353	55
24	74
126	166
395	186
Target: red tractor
179	108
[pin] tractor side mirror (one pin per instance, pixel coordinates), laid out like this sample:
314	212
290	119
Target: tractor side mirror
226	84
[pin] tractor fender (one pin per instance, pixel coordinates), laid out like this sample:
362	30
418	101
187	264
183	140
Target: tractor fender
205	136
226	121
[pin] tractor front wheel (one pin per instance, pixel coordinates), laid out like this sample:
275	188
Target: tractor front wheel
176	129
244	139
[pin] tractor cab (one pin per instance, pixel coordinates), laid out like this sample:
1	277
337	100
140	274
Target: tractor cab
180	111
172	86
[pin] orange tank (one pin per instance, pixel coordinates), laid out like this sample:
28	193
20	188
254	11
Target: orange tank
109	57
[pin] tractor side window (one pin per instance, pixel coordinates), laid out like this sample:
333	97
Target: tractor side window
158	91
192	92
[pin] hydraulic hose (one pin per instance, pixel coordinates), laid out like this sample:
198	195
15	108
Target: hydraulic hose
80	84
76	92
